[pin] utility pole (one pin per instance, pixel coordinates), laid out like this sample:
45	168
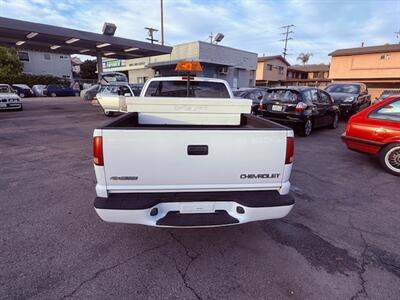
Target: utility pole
162	22
286	33
150	32
211	37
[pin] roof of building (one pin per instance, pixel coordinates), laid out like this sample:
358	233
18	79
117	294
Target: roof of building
174	62
48	38
310	68
366	50
267	58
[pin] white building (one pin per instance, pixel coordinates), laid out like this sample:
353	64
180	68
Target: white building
236	66
45	63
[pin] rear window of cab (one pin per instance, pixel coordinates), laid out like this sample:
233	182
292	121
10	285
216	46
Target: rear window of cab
282	95
178	88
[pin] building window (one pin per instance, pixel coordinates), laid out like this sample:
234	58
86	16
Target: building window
280	69
385	56
46	56
318	75
269	67
23	56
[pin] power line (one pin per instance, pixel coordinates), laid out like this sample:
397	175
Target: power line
286	33
150	32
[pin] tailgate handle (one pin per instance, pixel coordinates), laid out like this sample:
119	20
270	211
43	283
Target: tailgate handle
197	150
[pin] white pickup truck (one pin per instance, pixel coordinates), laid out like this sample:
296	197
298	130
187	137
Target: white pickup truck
185	175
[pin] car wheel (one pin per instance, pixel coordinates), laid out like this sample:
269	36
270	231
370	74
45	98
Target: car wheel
307	128
53	94
76	94
390	158
335	121
22	95
108	113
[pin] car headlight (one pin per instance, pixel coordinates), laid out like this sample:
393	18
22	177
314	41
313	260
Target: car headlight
349	99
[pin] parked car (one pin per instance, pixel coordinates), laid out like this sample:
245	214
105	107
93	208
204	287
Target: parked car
9	99
303	108
90	92
350	97
38	90
387	93
254	94
376	130
56	90
23	90
111	97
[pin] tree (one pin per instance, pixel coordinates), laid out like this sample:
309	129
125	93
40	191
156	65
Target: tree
88	69
304	57
10	65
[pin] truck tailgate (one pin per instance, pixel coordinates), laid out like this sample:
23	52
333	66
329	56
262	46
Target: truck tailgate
193	160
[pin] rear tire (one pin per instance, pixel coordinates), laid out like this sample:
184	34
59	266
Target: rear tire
307	128
22	95
389	158
335	122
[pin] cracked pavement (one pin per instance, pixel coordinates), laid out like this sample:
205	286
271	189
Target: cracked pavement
341	241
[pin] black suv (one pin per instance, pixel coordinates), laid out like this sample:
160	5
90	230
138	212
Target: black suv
303	108
350	97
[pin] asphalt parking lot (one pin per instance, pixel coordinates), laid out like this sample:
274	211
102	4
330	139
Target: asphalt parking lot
341	241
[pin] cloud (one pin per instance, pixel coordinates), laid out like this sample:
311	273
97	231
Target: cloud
253	25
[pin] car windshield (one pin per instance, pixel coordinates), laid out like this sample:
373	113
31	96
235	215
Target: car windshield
177	88
239	93
23	86
282	95
5	89
343	88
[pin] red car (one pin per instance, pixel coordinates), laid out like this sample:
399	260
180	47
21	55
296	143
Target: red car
376	130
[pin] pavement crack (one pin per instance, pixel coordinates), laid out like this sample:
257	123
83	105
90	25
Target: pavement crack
192	257
103	270
363	264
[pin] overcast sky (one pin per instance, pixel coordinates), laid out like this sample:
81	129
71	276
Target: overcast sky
254	25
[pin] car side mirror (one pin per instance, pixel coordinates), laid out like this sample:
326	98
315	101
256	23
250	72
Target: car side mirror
259	97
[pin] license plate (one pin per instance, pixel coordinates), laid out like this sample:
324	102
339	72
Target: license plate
3	105
197	208
277	107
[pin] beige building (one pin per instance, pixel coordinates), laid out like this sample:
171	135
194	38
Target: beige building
310	75
271	70
377	66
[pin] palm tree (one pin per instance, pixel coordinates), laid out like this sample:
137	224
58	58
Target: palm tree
304	57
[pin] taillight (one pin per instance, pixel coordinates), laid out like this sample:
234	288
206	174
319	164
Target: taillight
300	107
98	151
289	150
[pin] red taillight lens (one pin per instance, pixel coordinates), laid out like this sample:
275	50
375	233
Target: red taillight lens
98	151
289	150
300	107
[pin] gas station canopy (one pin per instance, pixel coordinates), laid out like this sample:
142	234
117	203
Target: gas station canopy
48	38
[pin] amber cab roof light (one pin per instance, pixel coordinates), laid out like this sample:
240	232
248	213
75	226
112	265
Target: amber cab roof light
189	66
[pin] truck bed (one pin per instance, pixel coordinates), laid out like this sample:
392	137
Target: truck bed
248	121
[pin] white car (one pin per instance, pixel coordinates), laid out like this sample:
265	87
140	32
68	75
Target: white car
9	99
112	97
38	90
194	168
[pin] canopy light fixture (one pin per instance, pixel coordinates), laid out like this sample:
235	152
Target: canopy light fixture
130	49
31	35
54	47
84	50
71	40
109	28
19	43
103	45
109	53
